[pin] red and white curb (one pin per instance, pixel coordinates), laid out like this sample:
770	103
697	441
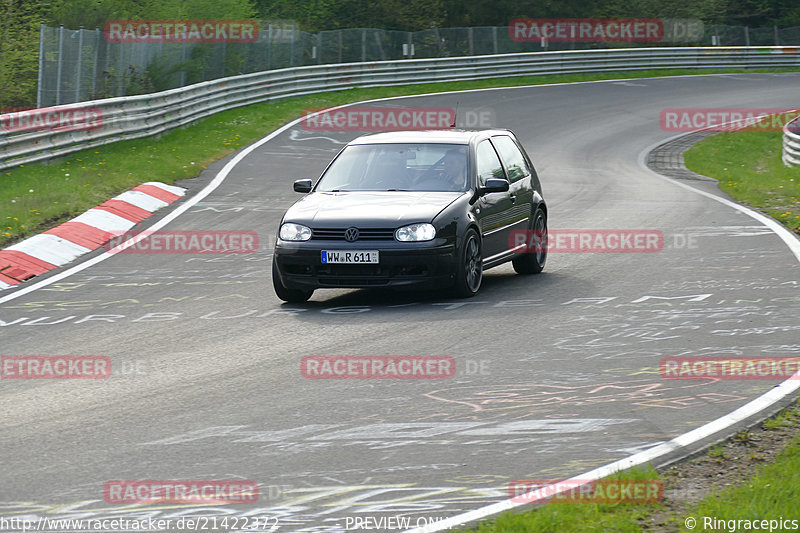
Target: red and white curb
84	233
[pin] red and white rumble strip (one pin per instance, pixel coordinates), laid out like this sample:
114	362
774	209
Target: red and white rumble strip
84	233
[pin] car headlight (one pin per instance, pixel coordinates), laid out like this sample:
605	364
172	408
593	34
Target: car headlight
415	233
294	232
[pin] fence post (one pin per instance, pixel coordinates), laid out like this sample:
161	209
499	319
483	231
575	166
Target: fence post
777	38
291	48
269	46
747	36
224	57
40	88
121	71
471	41
80	61
494	38
93	87
183	65
363	45
340	46
319	48
60	63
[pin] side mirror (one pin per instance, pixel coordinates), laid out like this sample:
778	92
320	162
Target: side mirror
303	186
494	185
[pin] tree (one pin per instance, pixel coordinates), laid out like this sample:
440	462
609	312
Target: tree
19	51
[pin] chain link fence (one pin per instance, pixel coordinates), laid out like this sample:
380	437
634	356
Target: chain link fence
81	65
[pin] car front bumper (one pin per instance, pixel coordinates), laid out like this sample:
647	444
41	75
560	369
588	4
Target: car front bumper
424	265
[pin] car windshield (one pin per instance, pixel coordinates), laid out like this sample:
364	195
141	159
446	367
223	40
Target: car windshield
398	167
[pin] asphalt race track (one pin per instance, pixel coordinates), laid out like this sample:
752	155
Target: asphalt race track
556	374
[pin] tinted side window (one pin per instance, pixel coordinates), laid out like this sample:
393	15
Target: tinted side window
488	163
515	162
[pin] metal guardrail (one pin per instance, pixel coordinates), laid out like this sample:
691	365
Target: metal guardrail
132	117
791	143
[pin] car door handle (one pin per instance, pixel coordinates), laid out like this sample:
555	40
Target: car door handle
513	197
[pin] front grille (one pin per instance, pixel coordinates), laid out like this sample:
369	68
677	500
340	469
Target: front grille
350	282
364	234
357	271
351	270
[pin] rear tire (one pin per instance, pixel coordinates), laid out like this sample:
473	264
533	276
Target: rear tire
470	266
288	295
532	261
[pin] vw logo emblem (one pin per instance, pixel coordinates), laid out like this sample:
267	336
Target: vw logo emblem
351	234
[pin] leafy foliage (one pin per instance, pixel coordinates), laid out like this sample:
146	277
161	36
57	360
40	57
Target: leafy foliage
20	20
19	51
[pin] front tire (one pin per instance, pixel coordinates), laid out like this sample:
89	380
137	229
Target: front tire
532	260
288	295
470	266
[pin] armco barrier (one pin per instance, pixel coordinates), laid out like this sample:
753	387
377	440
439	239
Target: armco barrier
791	143
131	117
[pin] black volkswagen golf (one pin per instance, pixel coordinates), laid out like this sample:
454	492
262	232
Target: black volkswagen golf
421	209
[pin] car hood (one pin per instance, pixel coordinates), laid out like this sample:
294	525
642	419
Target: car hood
377	209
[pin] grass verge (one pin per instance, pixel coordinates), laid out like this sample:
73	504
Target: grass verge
749	168
771	494
584	516
38	196
754	476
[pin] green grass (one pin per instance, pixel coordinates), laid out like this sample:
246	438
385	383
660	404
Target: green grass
773	491
749	168
567	517
781	421
38	196
770	494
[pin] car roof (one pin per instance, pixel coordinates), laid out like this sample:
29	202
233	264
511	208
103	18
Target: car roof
430	136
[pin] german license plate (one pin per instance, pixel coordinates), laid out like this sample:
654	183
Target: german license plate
350	256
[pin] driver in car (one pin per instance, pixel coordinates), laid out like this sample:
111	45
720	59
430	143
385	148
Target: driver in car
454	170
